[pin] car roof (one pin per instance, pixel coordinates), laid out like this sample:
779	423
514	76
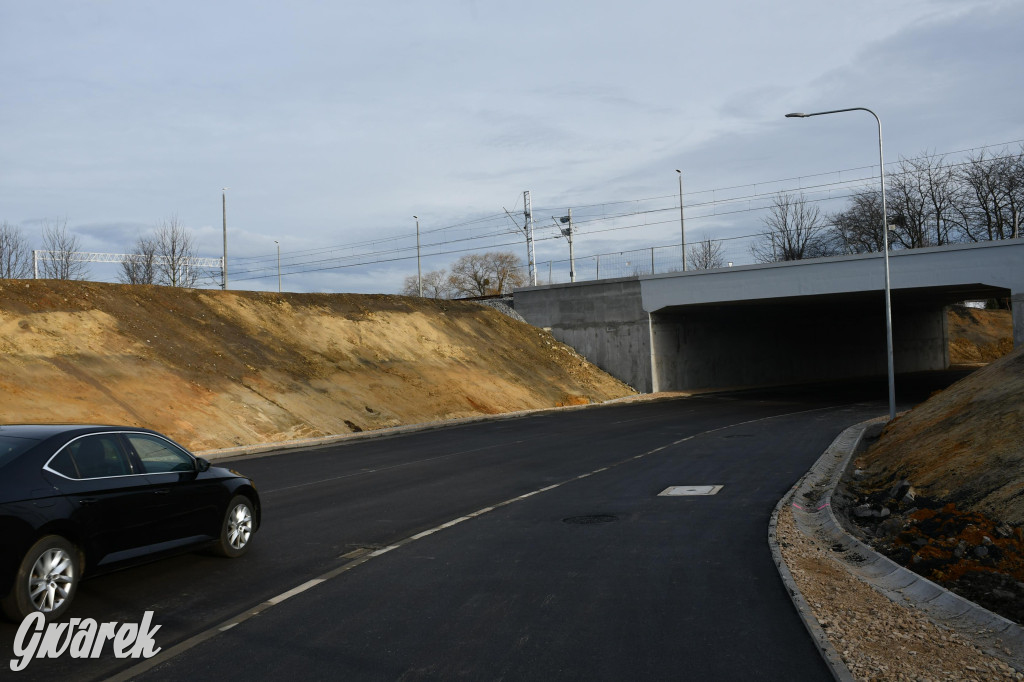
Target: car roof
43	431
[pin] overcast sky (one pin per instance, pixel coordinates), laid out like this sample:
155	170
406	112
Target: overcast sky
334	123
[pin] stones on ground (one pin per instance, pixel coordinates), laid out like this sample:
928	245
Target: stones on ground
863	511
874	636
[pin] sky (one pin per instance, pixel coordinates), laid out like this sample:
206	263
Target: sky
333	124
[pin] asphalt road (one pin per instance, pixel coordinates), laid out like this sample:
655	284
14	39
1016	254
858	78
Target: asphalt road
680	588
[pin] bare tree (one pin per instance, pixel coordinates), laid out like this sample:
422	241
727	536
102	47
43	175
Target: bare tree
796	231
140	266
175	251
435	285
495	272
993	196
909	208
15	255
923	196
858	229
61	246
706	254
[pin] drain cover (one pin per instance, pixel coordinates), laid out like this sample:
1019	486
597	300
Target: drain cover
590	519
682	490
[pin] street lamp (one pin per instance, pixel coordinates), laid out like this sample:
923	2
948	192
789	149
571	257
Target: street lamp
419	273
278	266
885	250
682	227
224	213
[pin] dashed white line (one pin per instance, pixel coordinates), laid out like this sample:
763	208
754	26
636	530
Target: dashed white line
197	639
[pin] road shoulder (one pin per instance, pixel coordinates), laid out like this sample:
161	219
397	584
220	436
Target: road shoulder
868	615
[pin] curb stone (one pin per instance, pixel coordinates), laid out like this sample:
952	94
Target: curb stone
828	652
811	499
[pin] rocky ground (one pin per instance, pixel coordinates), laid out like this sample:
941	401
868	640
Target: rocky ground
877	638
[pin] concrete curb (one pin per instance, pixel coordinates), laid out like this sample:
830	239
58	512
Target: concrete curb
828	652
811	499
266	449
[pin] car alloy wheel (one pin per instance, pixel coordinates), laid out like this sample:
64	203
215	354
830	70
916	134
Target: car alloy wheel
46	580
239	526
51	579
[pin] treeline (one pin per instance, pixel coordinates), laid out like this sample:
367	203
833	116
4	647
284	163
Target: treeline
475	274
930	202
164	256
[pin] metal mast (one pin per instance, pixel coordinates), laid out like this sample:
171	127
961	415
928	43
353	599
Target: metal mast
528	215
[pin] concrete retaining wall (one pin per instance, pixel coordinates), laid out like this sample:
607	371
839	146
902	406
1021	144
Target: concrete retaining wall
604	321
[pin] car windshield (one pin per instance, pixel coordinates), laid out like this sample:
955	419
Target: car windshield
11	447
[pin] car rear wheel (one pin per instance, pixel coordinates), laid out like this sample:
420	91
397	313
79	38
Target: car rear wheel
237	529
46	580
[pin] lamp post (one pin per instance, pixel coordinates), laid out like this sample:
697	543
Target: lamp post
419	272
224	214
682	227
278	266
885	250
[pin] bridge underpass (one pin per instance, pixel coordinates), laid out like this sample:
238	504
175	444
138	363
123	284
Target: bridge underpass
777	323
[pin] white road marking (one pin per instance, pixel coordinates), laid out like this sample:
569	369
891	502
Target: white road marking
296	590
195	640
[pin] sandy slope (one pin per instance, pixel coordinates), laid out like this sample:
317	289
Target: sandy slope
963	445
215	369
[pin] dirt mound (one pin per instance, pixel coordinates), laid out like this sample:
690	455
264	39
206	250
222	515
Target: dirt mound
942	490
977	335
216	369
963	445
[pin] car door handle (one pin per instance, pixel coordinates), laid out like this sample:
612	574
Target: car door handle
162	491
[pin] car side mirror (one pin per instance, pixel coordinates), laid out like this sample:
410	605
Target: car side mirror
202	465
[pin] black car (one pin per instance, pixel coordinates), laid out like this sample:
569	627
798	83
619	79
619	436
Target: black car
82	500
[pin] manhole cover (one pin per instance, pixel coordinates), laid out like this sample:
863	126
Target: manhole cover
590	519
685	490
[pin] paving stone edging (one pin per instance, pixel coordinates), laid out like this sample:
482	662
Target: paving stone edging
811	500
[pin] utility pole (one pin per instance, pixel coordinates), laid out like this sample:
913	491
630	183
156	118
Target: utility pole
224	214
278	265
419	273
528	215
527	229
682	227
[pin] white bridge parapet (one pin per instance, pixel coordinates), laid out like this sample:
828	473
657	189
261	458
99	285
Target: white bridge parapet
780	322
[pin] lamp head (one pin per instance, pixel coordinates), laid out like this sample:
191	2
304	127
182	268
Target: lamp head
797	115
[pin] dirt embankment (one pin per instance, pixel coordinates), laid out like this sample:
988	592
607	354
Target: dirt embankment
216	369
977	335
942	490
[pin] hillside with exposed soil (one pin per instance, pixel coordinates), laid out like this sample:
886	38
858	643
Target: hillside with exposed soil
216	369
977	335
942	490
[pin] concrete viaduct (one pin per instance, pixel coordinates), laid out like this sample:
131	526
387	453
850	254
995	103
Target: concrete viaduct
778	323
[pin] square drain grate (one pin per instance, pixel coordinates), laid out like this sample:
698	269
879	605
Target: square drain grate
686	490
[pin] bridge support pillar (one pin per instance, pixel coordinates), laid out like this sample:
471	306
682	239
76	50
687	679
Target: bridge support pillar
1017	303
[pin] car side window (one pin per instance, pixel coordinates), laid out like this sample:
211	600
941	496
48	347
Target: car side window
98	456
158	455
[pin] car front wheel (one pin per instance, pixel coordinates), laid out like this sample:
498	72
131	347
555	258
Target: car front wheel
237	529
46	580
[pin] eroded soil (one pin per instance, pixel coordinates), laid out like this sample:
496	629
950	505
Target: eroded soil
216	369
